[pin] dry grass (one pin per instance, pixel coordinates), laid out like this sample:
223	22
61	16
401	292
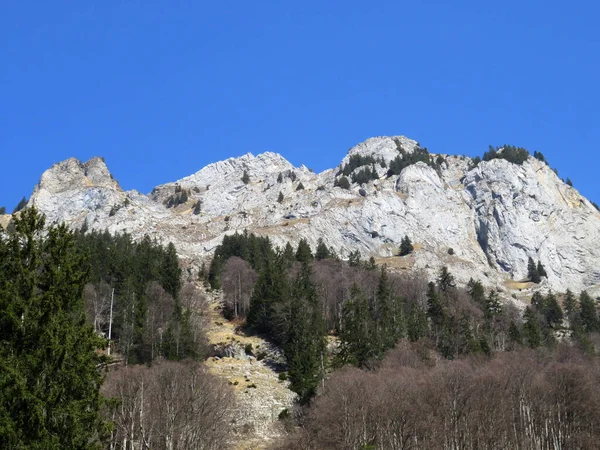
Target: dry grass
518	285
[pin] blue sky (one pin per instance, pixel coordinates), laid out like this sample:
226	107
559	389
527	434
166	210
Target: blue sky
161	88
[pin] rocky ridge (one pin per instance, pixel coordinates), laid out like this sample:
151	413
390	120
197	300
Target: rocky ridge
493	216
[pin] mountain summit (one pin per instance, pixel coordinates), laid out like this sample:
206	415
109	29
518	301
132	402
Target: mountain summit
482	219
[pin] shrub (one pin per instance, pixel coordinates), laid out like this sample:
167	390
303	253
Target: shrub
451	251
283	376
248	349
300	187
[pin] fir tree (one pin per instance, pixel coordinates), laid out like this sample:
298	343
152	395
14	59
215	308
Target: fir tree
588	314
476	292
322	251
532	272
541	270
303	253
446	280
22	204
531	328
305	343
570	305
492	305
406	246
357	330
50	368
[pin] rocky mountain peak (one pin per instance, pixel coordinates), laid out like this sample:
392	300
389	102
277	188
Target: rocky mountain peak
72	174
482	221
384	147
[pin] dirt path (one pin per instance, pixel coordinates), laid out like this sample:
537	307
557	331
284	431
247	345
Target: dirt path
251	365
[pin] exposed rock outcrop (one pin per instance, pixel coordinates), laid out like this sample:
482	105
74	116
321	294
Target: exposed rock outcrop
493	216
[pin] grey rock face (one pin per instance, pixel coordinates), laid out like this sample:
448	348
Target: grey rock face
493	216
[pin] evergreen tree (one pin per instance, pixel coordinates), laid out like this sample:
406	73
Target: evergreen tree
446	280
171	273
570	305
300	186
280	178
342	182
531	328
389	318
434	307
322	251
22	204
357	331
303	253
305	338
540	270
288	256
354	259
406	246
280	197
514	334
50	373
416	322
197	207
552	311
588	314
476	292
2	210
269	291
492	305
245	177
532	272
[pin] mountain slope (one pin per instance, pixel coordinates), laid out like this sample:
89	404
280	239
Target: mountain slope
493	215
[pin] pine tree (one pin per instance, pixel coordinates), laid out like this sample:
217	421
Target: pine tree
50	368
280	197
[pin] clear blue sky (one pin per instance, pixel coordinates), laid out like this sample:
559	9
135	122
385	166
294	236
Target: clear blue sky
161	88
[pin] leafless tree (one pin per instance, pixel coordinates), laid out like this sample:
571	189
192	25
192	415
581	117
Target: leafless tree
170	406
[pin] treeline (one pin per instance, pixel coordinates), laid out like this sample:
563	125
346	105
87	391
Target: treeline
517	400
152	315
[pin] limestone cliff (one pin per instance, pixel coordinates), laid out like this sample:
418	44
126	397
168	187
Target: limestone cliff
493	216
